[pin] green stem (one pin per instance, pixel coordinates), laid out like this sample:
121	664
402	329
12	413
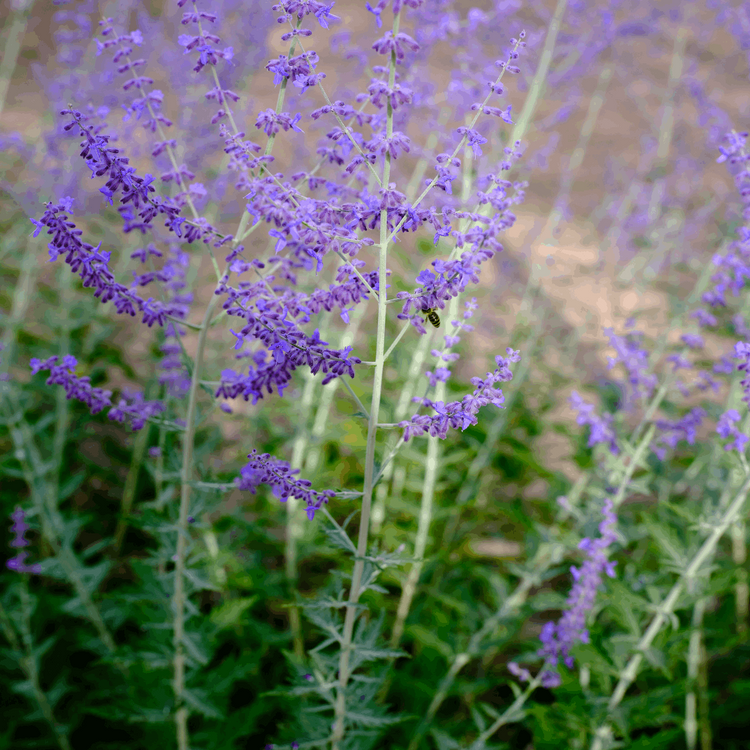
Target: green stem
294	527
512	714
694	655
546	556
364	524
181	713
696	659
404	400
306	451
27	664
666	133
432	469
325	401
178	602
540	77
433	453
484	454
549	558
739	557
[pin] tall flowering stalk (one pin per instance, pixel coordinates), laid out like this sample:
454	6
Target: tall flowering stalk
557	639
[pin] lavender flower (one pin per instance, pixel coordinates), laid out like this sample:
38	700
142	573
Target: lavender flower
734	266
601	431
726	425
461	414
80	388
725	428
265	469
558	639
742	351
19	528
681	429
635	359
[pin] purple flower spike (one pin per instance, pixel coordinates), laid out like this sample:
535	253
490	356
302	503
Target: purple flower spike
80	389
558	639
726	428
19	528
601	431
265	469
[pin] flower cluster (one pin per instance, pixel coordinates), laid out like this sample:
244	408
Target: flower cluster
265	469
601	429
558	639
734	266
726	426
634	358
90	262
461	414
80	388
307	230
680	429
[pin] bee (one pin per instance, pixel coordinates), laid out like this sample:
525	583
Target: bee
432	316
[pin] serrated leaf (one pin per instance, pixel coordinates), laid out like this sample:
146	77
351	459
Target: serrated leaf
96	547
323	645
230	613
151	660
375	587
198	700
339	540
491	711
91	576
668	542
326	624
479	721
586	653
201	584
41	649
325	693
444	741
620	647
70	485
624	605
721	582
428	638
658	660
149	716
57	691
194	647
685	511
25	688
68	529
545	600
370	654
369	720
